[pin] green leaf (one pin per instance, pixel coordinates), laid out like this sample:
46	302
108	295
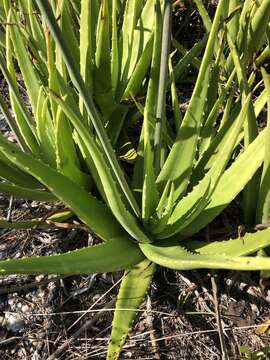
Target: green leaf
91	211
178	165
88	19
134	286
190	207
23	119
103	91
172	255
263	205
115	59
25	193
89	104
244	245
161	91
188	57
110	187
30	77
136	32
67	159
14	175
231	184
39	223
250	133
36	27
45	129
149	188
204	14
114	255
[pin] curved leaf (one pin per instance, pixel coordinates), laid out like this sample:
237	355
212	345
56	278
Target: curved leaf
245	245
91	211
134	286
174	256
114	255
231	183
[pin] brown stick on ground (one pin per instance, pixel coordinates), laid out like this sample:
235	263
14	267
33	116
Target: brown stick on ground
219	324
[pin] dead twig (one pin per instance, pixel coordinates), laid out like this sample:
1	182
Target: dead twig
219	323
149	320
88	324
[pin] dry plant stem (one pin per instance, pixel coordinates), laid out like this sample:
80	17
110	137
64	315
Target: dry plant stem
88	324
219	324
67	225
8	218
149	320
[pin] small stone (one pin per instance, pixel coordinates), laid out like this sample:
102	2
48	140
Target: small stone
96	297
11	302
14	322
38	278
255	309
25	309
35	356
229	282
242	285
19	305
22	353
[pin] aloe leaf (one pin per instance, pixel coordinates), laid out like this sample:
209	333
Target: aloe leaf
103	92
116	122
250	133
88	20
233	18
125	149
208	128
135	82
110	187
189	57
258	24
204	15
36	27
163	72
136	32
244	245
25	193
208	157
190	207
114	255
67	160
115	59
35	223
175	103
134	286
30	78
159	219
174	256
68	28
23	119
53	82
14	175
12	124
263	205
149	188
45	129
91	211
89	105
231	184
179	163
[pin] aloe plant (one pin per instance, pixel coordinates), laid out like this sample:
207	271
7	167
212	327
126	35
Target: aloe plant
68	148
